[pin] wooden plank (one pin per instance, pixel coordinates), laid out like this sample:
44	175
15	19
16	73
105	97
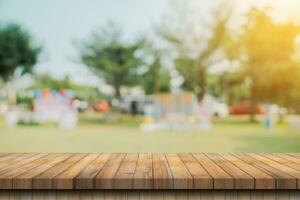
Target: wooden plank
289	157
182	179
15	161
104	180
124	176
8	156
262	179
284	168
296	155
283	180
222	180
45	179
24	181
143	176
162	176
7	175
283	160
242	180
85	180
201	178
65	180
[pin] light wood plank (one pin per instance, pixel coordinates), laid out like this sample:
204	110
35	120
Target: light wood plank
65	180
201	178
104	180
262	179
222	180
284	168
182	179
6	176
283	180
15	161
282	160
143	176
162	176
85	180
242	180
124	176
45	179
24	181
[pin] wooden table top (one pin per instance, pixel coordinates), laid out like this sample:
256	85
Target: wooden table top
150	171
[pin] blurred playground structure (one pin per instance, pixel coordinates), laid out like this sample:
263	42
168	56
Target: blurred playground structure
168	111
48	106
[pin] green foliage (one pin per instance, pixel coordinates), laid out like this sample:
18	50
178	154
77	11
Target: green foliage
190	62
111	59
267	55
16	50
157	78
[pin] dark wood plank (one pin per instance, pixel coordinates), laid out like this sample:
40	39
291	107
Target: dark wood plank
201	178
66	179
143	176
182	179
124	176
45	179
283	180
85	180
104	179
162	176
242	180
262	179
24	181
222	180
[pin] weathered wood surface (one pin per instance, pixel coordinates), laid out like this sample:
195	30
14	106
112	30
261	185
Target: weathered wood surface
212	171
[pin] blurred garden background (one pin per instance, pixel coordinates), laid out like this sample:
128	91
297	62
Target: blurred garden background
153	76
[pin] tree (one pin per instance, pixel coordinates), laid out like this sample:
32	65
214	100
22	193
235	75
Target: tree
17	50
156	78
111	59
195	50
267	56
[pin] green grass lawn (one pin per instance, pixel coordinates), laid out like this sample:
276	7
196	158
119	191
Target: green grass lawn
94	135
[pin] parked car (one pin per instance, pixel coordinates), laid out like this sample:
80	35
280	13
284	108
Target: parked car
102	106
245	109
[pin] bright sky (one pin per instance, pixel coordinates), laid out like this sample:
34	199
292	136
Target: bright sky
56	23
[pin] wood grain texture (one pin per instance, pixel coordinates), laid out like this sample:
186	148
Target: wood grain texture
201	178
222	180
181	176
162	176
209	171
242	180
124	176
66	179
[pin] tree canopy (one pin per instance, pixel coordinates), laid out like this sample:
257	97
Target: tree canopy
113	60
267	54
195	51
17	50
